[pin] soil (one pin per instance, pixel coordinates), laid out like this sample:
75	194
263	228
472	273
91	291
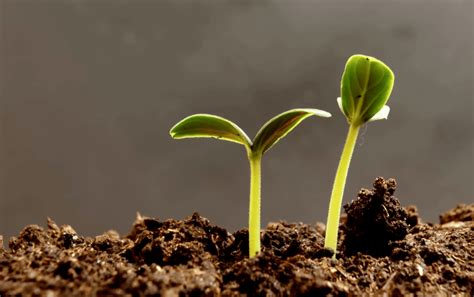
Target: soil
385	249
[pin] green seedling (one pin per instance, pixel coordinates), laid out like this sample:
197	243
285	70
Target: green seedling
211	126
366	85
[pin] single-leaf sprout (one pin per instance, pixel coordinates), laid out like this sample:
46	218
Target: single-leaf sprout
211	126
366	85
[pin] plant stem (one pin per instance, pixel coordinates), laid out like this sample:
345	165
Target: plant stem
254	208
332	225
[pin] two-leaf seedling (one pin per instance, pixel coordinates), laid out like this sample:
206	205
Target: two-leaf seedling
365	88
206	125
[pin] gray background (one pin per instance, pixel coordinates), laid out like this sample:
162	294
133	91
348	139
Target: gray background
90	90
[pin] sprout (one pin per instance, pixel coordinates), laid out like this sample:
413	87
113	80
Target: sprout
211	126
366	85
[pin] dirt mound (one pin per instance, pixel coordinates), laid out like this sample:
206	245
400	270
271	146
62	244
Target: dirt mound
373	220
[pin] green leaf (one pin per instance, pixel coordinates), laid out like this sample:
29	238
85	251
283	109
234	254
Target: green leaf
209	126
366	85
279	126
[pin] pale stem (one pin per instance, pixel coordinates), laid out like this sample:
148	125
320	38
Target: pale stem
254	208
332	225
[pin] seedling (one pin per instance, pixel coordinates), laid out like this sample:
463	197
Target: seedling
366	85
211	126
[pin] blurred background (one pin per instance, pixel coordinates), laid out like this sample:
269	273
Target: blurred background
90	90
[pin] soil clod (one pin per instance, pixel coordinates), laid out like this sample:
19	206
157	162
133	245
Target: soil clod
461	213
374	219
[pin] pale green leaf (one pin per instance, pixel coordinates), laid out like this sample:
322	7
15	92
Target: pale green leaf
279	126
209	126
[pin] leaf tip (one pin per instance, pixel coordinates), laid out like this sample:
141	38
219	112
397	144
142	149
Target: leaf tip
316	112
172	133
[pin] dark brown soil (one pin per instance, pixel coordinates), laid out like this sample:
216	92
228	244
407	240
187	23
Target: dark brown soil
386	250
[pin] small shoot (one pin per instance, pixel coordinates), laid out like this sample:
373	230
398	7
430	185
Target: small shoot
366	85
211	126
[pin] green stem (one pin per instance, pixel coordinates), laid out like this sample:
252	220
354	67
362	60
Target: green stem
254	208
332	225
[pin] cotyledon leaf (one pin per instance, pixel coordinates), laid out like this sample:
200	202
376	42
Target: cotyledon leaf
279	126
366	86
209	126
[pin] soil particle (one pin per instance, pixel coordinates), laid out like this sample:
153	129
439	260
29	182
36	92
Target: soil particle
413	218
192	257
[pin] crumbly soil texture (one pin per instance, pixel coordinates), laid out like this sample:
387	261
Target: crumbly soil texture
385	250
